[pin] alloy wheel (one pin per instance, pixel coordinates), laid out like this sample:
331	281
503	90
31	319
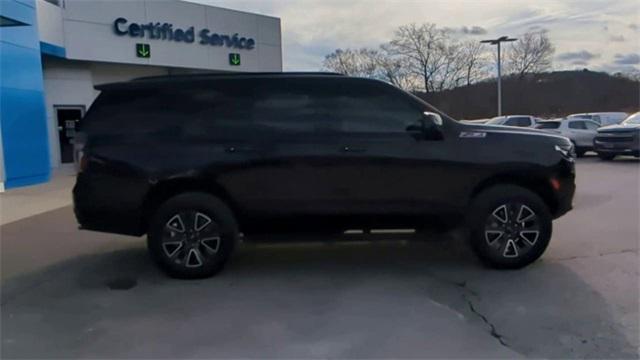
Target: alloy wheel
191	239
512	230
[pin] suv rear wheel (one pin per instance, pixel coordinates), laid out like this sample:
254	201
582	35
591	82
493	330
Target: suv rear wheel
510	226
192	235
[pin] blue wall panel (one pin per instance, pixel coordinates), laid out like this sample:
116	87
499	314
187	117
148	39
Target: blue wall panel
22	108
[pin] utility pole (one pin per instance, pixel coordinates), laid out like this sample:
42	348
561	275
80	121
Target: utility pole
497	42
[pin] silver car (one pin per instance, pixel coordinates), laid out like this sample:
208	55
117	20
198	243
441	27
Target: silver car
581	132
514	120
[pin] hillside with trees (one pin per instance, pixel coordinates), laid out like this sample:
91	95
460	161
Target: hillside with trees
552	94
456	73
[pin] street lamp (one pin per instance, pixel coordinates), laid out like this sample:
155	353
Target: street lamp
497	42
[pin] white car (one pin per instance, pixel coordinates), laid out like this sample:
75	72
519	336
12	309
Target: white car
514	120
602	118
580	131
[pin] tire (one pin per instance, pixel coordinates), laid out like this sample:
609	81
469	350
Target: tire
192	235
522	241
606	157
579	151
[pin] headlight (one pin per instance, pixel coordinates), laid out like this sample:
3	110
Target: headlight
567	152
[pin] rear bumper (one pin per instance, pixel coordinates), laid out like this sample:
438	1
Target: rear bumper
109	204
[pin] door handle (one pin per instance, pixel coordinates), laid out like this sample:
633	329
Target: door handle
240	149
352	149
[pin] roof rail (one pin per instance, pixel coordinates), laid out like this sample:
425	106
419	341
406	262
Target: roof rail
234	74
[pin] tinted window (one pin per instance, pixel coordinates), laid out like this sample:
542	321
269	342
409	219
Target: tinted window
253	107
548	125
522	121
173	110
293	106
591	126
370	107
577	125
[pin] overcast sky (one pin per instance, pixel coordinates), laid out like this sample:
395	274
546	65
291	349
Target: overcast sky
599	35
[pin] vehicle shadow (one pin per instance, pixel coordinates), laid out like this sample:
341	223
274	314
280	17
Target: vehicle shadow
283	292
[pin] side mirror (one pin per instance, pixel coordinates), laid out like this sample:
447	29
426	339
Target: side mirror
432	124
432	118
428	128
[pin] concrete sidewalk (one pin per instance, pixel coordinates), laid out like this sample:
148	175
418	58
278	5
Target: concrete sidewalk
20	203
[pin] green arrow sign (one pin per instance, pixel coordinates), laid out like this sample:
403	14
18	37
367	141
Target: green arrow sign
234	59
143	51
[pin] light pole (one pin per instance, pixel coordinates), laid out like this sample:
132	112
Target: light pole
497	42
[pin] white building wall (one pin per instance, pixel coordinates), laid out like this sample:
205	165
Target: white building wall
70	83
50	24
89	34
95	54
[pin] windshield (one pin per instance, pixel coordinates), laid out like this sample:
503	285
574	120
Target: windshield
633	119
581	116
496	120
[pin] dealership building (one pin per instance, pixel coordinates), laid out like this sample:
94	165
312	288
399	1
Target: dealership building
53	53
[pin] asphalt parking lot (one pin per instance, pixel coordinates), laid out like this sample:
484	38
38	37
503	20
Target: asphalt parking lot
67	293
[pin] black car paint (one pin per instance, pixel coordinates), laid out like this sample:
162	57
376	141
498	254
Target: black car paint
318	181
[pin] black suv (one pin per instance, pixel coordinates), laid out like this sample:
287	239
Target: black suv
192	161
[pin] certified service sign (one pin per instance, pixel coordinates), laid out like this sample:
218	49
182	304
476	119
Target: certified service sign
166	31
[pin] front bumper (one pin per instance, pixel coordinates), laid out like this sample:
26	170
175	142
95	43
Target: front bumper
617	144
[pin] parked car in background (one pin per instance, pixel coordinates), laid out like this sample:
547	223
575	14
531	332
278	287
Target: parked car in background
623	139
514	120
602	118
580	131
476	121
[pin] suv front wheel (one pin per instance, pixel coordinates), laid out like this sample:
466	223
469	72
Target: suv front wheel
192	235
510	226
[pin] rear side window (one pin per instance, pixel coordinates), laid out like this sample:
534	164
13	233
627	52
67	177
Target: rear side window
579	125
521	121
173	110
548	125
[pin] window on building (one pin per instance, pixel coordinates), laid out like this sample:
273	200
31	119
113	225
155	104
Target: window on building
5	21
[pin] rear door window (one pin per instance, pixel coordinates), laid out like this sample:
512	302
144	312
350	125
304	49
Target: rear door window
577	125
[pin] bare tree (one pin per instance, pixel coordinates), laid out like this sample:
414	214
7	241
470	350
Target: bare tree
422	47
475	60
359	62
532	53
418	57
371	63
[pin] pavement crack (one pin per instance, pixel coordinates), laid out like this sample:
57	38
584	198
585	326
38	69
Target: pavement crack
600	254
492	328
